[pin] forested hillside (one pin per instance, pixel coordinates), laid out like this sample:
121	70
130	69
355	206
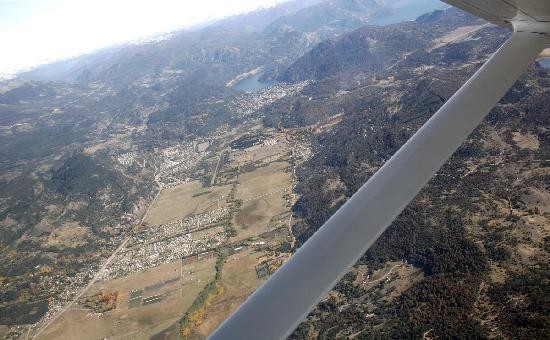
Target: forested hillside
89	144
83	141
471	251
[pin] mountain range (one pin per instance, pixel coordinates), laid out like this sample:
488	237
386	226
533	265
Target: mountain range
471	251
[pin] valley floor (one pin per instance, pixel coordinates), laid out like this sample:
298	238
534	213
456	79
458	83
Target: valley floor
238	211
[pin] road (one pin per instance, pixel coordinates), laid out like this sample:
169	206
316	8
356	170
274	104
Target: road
292	187
85	289
159	185
152	202
385	276
101	269
216	170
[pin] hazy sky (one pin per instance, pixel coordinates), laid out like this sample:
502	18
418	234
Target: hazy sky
34	31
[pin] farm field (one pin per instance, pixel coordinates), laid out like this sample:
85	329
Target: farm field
262	193
263	180
261	219
239	280
278	146
255	217
174	286
183	200
151	302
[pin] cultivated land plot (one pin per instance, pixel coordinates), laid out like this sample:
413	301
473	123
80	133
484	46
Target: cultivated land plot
4	330
177	285
184	200
254	217
239	280
262	192
395	278
263	181
259	152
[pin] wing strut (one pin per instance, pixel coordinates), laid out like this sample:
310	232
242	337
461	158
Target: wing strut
284	300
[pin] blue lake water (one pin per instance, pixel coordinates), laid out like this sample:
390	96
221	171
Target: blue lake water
403	10
545	62
253	84
407	10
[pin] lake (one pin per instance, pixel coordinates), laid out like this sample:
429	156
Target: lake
407	10
545	62
403	10
253	84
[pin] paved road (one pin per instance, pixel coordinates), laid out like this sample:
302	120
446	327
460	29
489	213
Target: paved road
152	202
160	187
86	288
216	170
103	266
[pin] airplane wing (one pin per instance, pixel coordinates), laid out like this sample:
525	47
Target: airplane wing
533	13
284	300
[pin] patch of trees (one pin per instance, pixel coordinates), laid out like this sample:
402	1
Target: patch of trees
27	91
43	141
314	205
500	115
458	52
23	314
247	140
90	179
427	96
83	175
537	109
22	265
517	93
441	303
347	288
544	82
524	302
190	110
20	204
543	152
193	315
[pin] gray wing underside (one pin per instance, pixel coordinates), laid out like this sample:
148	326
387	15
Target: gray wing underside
504	12
283	301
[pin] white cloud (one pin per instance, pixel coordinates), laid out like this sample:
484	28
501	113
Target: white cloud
33	31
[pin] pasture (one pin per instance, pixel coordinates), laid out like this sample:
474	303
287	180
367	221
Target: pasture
184	200
167	291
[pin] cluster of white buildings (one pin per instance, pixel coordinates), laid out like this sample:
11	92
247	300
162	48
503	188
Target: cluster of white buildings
184	225
127	158
177	161
148	255
249	103
270	142
168	242
63	289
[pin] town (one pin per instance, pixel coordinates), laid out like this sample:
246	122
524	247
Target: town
169	242
196	236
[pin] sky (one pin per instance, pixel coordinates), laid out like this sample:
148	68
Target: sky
33	32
